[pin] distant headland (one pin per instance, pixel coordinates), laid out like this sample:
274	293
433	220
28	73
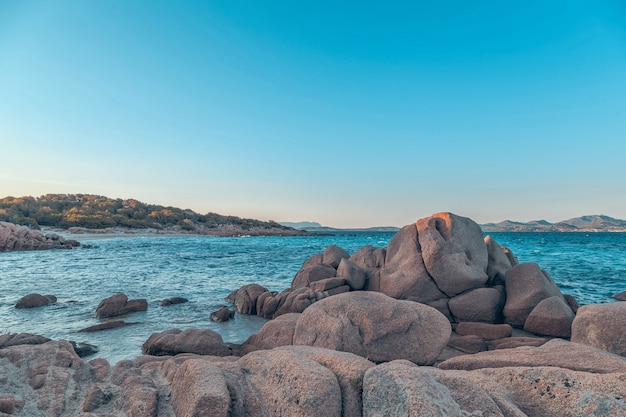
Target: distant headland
88	213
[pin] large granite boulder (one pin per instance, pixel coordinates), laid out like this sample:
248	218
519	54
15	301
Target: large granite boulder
400	388
199	389
526	285
551	317
454	252
35	300
354	275
333	255
371	260
288	384
374	326
119	305
348	368
21	238
556	352
175	341
404	275
602	326
480	304
553	391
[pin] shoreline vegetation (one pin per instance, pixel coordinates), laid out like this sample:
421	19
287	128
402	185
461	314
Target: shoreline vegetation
98	215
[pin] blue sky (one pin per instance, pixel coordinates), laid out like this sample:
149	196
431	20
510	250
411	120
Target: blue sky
353	114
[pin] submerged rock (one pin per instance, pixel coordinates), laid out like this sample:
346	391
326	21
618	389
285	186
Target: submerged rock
223	314
35	300
118	305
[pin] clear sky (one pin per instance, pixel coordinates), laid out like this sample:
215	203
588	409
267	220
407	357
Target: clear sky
351	114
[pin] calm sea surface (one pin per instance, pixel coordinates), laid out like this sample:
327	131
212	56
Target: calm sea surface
205	270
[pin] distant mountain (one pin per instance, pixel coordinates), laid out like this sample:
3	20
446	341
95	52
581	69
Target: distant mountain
300	225
87	213
324	229
591	223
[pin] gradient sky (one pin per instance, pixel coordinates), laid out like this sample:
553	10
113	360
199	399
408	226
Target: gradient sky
353	114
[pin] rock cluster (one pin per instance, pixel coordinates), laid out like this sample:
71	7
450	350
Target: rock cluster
442	261
21	238
49	379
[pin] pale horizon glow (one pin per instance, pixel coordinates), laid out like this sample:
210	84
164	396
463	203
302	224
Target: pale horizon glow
355	114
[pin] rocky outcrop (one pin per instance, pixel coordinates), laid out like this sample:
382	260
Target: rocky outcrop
442	261
49	379
602	326
557	352
21	238
35	300
119	305
374	326
175	341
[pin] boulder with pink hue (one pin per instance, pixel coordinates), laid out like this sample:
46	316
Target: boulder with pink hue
119	305
526	285
551	317
266	305
498	262
348	368
404	275
400	388
20	238
199	389
175	341
556	352
454	252
310	274
35	300
274	333
333	255
288	384
602	326
479	305
371	260
553	391
374	326
245	298
353	274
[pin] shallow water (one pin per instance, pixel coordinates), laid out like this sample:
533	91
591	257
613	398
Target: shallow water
205	270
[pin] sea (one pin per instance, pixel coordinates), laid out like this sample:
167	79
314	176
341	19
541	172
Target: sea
589	266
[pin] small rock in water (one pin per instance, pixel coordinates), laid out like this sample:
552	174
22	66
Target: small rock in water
223	314
35	300
173	300
113	324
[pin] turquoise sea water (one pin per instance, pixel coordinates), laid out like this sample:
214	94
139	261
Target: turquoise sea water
205	270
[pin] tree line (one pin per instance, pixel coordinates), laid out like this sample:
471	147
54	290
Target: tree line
99	212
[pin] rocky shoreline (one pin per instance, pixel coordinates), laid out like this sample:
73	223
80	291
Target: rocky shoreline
441	322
